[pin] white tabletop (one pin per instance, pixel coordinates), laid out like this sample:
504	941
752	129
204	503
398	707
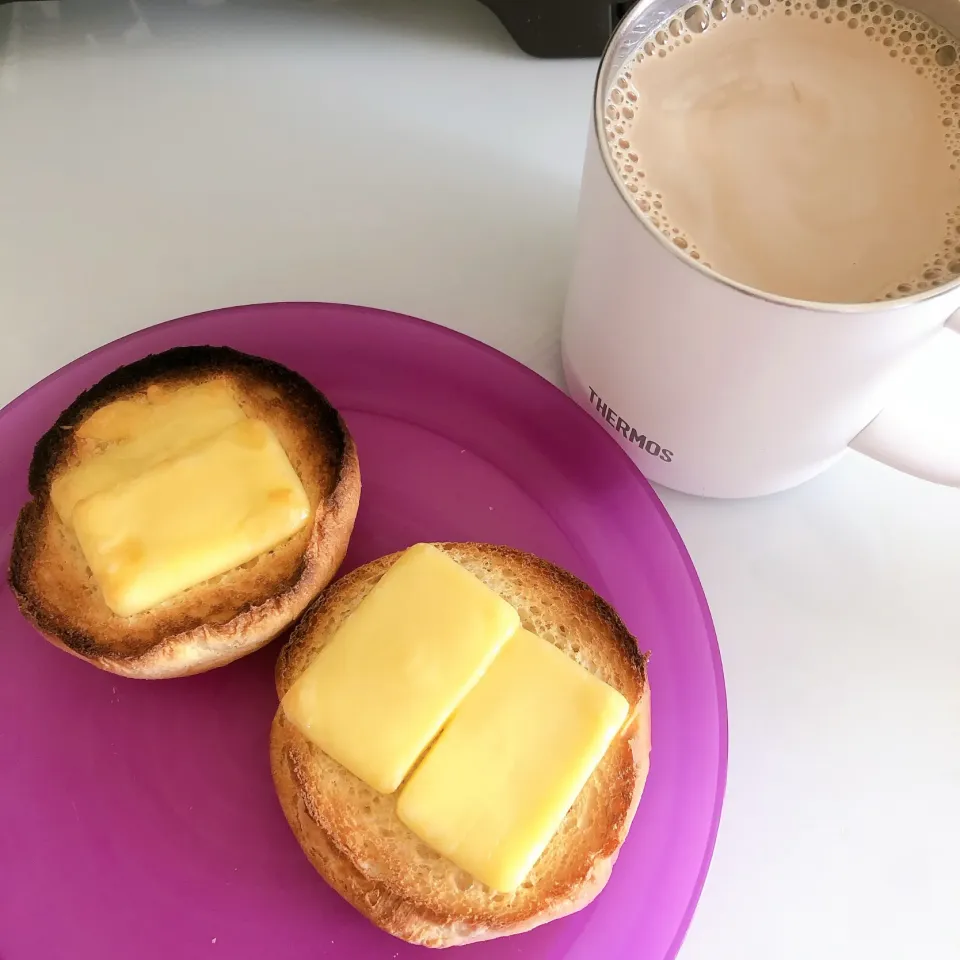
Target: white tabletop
157	160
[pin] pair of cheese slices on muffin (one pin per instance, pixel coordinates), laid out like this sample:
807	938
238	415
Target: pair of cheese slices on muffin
464	730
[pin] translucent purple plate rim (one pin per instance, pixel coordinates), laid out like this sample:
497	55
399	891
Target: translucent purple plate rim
360	313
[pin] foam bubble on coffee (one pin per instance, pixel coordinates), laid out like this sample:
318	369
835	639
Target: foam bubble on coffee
807	148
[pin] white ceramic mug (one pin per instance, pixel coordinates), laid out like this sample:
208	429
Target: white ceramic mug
715	388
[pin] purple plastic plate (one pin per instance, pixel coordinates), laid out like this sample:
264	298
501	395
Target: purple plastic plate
138	819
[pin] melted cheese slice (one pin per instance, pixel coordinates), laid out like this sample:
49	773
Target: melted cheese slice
388	680
492	791
127	437
158	524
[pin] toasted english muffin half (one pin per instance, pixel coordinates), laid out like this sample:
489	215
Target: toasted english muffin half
222	618
352	834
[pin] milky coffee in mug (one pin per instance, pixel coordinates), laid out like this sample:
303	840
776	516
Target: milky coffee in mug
769	225
808	148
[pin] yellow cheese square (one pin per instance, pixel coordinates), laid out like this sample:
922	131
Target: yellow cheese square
217	505
384	685
492	791
129	436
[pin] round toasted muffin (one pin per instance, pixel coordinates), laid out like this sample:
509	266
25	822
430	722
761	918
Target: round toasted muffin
352	834
227	616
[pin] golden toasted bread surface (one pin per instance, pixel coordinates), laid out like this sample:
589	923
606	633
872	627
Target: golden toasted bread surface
352	834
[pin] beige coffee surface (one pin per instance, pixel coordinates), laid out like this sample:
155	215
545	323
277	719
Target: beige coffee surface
809	150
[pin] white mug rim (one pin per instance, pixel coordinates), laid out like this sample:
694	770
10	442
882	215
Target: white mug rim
599	97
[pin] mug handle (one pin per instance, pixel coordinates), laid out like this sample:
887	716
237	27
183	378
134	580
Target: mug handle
908	443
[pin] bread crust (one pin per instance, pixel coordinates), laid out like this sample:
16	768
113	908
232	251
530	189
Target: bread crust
393	881
222	619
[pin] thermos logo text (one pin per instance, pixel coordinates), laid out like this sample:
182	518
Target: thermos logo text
624	428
